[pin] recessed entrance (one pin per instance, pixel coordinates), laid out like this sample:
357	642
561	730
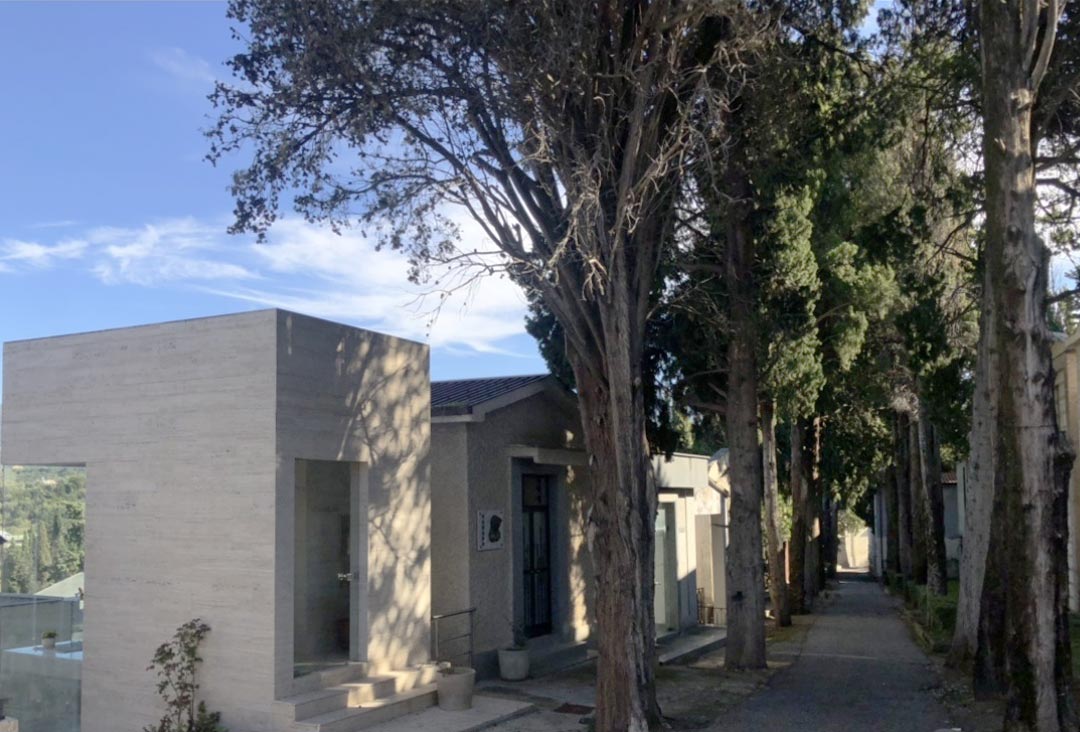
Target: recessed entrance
666	599
327	566
536	546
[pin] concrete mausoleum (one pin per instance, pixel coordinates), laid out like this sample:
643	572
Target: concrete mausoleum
510	488
267	472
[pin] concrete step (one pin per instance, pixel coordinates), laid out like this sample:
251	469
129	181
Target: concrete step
319	680
691	644
311	703
371	713
544	661
369	689
410	678
486	712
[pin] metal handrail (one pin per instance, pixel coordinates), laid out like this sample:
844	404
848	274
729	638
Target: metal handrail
436	650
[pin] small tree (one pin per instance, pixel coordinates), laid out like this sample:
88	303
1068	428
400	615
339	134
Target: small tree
175	663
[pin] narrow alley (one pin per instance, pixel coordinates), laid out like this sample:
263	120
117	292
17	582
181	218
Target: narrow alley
858	669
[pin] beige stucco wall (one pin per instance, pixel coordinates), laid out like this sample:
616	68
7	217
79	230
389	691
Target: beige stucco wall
189	431
1067	392
474	470
548	421
683	479
853	551
451	543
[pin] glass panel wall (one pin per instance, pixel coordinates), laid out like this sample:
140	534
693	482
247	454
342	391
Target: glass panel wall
41	596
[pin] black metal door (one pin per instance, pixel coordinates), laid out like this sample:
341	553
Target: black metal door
536	531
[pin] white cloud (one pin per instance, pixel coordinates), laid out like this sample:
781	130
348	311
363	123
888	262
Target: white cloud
170	251
182	66
39	256
354	282
300	267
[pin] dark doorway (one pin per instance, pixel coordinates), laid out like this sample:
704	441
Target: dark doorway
536	546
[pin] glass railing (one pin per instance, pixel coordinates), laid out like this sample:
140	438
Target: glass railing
40	685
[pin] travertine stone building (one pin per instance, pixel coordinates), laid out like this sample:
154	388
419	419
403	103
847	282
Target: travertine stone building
267	472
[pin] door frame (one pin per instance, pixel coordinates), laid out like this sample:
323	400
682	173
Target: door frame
667	590
558	537
537	630
358	556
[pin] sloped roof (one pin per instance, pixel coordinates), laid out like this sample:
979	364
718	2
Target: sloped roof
461	396
68	587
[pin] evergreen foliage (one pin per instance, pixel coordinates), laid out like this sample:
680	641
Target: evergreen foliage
43	509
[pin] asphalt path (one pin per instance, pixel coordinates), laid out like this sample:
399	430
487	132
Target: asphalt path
857	669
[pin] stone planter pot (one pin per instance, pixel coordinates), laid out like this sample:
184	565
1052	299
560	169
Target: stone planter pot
513	664
456	689
48	643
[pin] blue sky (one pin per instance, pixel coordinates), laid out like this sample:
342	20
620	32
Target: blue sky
110	217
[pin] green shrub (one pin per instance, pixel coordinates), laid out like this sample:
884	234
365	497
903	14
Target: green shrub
934	614
175	662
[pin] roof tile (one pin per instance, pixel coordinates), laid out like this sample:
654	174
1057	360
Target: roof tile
462	395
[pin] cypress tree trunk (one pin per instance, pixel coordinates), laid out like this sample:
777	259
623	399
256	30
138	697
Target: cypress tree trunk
1034	459
892	526
903	494
774	543
919	502
934	507
937	511
989	671
812	573
828	540
800	517
745	577
621	543
978	491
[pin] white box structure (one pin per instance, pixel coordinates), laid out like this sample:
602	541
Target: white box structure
192	434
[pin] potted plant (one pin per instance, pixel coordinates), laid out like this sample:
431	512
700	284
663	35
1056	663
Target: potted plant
455	687
48	640
514	659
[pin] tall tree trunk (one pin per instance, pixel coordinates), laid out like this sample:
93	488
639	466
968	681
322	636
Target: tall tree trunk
812	570
919	501
934	506
902	461
621	531
1034	456
774	543
831	543
989	671
978	490
745	578
800	517
891	523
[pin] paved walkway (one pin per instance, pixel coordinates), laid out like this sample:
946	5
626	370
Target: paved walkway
858	669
